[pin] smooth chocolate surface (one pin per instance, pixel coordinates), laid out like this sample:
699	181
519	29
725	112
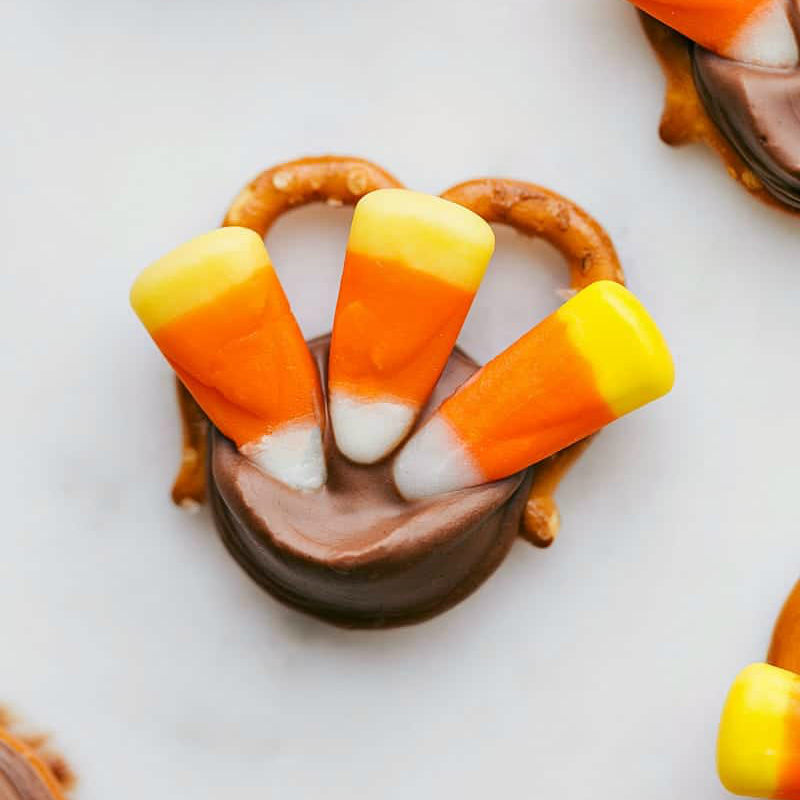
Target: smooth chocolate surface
354	552
18	779
758	110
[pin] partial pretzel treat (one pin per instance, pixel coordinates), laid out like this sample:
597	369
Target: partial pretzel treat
743	111
27	770
352	551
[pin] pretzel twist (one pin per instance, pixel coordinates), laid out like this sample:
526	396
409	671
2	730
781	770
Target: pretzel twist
341	180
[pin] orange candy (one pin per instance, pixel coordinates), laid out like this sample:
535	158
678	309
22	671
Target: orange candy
568	403
217	312
382	349
757	31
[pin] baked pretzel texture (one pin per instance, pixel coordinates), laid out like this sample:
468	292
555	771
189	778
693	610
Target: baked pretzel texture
344	180
684	120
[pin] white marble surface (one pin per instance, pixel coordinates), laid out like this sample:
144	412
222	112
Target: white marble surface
595	668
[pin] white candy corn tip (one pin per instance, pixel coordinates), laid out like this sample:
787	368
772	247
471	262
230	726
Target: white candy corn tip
434	462
768	38
293	455
365	431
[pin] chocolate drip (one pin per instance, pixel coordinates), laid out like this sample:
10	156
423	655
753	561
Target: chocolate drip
758	111
354	552
18	779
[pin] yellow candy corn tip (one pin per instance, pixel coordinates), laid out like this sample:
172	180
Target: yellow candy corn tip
424	232
751	739
196	273
613	331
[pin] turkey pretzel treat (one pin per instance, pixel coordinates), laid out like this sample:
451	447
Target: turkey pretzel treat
335	530
733	78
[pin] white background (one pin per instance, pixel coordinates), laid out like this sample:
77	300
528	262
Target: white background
597	668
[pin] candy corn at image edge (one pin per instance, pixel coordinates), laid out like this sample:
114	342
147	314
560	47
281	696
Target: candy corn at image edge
595	359
216	310
758	746
754	31
413	265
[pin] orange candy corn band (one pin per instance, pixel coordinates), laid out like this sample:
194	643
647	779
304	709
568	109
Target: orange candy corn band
219	351
714	24
568	410
788	787
343	180
404	358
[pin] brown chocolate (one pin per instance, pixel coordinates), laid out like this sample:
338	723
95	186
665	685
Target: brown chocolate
758	110
354	552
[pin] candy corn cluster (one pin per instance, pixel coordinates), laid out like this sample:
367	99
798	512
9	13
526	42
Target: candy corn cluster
414	262
755	31
758	748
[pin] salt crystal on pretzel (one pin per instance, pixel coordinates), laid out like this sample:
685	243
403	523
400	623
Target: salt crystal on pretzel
216	310
598	357
754	31
413	265
758	745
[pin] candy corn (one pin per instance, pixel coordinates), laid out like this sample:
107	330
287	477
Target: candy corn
756	31
596	358
413	265
216	310
758	747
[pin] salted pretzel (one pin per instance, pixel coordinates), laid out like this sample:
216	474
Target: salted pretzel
341	180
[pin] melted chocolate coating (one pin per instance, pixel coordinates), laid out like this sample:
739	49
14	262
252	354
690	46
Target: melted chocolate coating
758	111
354	552
18	779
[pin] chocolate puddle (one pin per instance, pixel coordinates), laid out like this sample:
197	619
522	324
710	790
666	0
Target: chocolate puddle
354	552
